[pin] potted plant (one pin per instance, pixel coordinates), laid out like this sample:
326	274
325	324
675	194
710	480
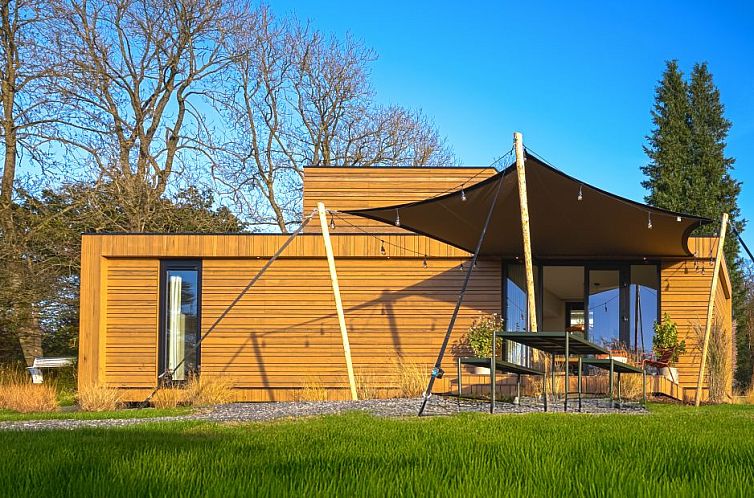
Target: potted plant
479	338
666	346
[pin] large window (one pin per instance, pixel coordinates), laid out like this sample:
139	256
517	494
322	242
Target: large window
516	311
642	295
605	307
180	288
614	304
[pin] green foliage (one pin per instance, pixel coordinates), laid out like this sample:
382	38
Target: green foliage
689	172
673	451
666	337
43	258
479	336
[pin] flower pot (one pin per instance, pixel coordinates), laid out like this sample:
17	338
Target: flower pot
480	370
670	373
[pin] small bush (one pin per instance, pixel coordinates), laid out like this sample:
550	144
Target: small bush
98	399
479	336
208	391
26	397
412	377
313	390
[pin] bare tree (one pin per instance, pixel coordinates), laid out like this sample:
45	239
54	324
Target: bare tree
135	80
25	69
293	97
27	109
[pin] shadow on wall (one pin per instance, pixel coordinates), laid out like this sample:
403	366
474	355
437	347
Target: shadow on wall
262	353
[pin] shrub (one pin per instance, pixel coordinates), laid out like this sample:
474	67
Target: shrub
479	336
98	399
666	337
208	391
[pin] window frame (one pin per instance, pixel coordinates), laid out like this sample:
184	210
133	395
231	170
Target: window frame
165	266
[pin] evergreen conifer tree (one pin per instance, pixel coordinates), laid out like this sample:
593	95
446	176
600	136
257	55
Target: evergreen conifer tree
688	171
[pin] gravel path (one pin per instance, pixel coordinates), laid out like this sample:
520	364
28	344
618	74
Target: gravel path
262	412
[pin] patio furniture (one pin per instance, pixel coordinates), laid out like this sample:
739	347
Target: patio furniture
663	361
614	366
499	366
558	343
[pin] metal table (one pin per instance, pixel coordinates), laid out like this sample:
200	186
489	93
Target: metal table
557	343
499	366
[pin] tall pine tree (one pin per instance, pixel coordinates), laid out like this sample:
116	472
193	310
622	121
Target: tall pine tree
688	171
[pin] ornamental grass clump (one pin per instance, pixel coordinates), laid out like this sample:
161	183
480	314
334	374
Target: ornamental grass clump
412	377
18	394
98	399
209	391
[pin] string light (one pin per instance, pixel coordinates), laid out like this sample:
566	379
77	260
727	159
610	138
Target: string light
332	222
397	218
581	193
424	262
649	220
460	267
382	247
463	195
678	219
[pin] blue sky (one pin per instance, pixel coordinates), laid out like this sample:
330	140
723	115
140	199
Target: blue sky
577	79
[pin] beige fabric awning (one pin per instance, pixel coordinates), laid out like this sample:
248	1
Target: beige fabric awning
599	226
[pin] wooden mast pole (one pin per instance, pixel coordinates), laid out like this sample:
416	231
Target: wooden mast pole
711	306
336	293
524	204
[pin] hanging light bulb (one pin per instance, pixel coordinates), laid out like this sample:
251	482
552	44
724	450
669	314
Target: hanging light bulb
382	247
649	220
397	218
424	261
581	194
460	267
332	222
678	219
605	307
463	195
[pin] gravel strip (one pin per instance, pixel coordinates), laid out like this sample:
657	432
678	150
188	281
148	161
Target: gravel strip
263	412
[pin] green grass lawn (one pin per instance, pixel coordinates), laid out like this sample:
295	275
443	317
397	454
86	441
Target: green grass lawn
674	451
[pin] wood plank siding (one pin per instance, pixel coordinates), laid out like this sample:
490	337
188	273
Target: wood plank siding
685	289
284	333
359	188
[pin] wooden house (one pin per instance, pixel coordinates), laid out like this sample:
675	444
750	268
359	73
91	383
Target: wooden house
147	298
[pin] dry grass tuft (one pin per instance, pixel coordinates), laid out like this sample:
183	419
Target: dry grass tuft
18	394
412	377
367	385
208	391
314	390
169	397
98	399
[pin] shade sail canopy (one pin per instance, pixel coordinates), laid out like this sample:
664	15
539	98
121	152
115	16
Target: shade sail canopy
599	226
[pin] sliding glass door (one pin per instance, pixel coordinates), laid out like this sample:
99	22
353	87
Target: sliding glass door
180	290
